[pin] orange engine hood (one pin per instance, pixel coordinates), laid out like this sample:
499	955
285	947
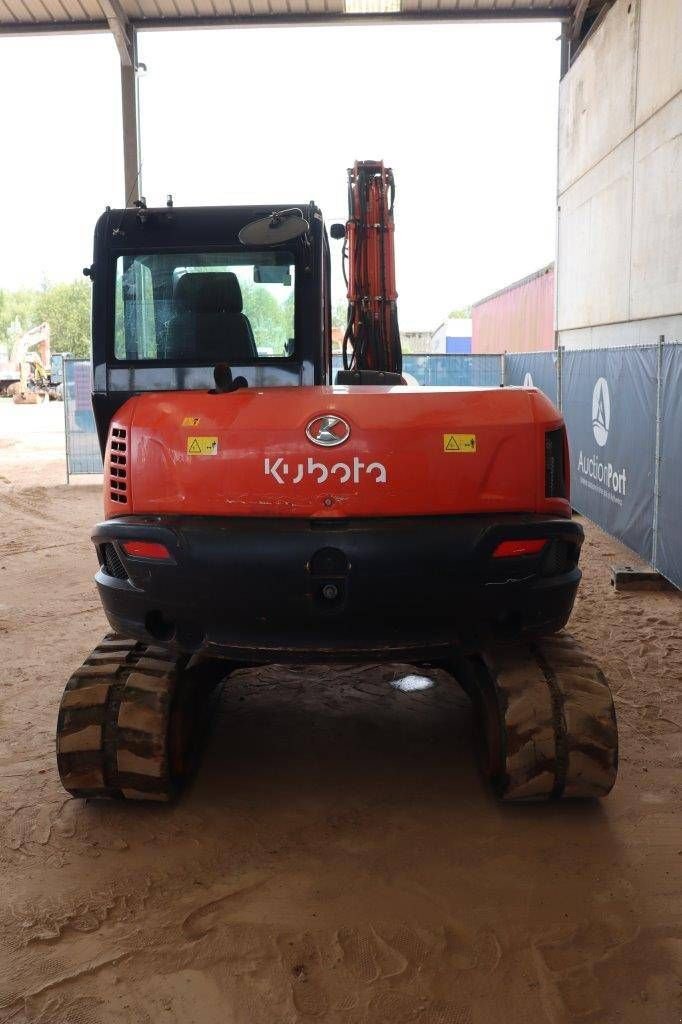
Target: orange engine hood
410	451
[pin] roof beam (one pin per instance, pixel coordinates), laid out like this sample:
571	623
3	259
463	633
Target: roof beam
117	20
48	28
441	14
578	18
509	14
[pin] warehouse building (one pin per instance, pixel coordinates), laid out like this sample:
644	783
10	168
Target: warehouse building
619	261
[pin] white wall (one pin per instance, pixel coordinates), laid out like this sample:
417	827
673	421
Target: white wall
619	277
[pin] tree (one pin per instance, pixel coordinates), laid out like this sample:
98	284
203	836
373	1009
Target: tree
66	307
17	312
460	314
272	322
340	315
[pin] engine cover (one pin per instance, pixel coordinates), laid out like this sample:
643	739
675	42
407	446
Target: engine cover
331	452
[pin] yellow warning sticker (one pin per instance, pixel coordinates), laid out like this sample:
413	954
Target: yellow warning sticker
459	443
190	421
202	445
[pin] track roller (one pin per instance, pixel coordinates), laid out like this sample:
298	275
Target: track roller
130	721
547	719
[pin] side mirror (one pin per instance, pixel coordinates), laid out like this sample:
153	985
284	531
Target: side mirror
338	231
281	226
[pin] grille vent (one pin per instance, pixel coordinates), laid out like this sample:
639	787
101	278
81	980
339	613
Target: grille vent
118	466
112	564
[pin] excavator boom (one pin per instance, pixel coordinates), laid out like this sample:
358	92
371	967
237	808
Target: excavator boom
372	339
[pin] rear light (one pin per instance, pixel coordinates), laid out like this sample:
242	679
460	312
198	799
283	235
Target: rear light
516	548
556	482
145	549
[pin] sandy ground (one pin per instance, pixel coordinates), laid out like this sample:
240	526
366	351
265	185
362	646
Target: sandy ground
338	858
32	445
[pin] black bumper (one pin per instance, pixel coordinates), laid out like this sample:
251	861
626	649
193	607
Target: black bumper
277	589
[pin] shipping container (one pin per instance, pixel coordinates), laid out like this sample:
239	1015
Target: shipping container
518	318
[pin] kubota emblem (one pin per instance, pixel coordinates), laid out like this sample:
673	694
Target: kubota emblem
327	431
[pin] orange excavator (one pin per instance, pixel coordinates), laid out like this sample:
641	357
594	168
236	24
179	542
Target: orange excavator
257	512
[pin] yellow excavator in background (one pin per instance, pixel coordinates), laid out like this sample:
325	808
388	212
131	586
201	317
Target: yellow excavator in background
28	377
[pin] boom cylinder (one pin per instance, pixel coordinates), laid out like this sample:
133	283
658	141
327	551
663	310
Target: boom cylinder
372	339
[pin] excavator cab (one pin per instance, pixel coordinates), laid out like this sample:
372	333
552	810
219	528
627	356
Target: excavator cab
177	293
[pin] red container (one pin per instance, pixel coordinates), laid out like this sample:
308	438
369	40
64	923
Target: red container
519	318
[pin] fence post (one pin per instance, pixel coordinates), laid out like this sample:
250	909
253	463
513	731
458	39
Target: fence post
657	449
503	368
560	377
66	418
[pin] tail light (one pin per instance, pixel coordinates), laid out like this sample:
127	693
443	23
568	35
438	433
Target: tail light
118	465
146	549
516	548
556	464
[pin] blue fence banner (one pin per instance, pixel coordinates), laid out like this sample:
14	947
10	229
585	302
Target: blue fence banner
624	424
533	369
451	370
668	559
609	404
82	446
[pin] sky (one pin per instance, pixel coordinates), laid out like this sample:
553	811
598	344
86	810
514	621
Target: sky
466	114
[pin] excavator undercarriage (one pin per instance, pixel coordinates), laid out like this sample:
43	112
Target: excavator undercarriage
133	719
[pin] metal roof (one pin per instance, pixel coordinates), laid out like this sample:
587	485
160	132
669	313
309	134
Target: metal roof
542	272
21	16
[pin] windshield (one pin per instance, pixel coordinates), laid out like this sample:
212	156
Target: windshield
205	307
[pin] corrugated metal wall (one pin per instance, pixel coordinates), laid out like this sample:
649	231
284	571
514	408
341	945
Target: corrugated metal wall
519	318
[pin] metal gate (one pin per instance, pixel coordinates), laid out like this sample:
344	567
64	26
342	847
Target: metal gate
82	445
623	414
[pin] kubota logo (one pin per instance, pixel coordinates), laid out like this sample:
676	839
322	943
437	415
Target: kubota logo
340	472
327	431
601	412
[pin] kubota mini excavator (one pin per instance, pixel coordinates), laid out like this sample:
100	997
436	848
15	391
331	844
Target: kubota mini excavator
257	512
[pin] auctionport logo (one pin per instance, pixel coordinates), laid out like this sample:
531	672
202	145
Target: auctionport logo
602	476
601	412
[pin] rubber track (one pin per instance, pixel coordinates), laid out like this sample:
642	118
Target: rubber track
112	728
558	734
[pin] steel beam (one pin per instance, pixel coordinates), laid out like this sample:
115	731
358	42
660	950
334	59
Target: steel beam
48	28
578	17
508	14
565	57
130	109
118	22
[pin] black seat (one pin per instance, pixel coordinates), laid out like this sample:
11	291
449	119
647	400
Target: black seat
208	323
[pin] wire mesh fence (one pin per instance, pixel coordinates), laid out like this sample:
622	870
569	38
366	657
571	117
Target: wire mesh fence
534	369
623	416
624	422
82	446
453	370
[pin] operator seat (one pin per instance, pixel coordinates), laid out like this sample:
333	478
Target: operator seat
208	323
